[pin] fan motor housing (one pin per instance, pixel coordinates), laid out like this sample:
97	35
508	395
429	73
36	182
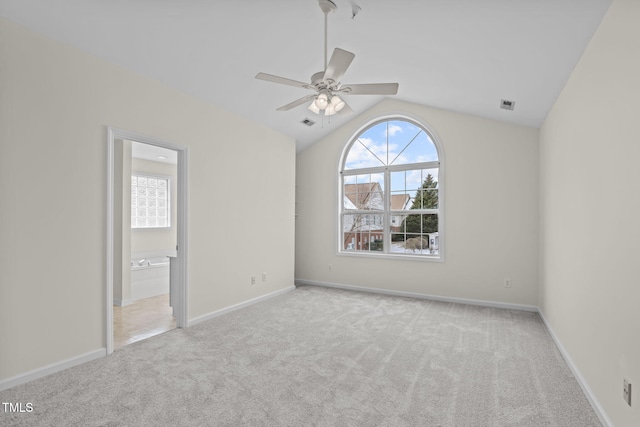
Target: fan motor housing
327	6
317	78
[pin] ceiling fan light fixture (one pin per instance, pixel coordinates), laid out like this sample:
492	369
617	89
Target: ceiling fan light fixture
312	107
322	101
330	111
336	103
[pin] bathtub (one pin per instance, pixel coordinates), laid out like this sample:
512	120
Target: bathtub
149	276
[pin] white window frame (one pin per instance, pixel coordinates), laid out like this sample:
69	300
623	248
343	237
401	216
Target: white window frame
387	213
169	201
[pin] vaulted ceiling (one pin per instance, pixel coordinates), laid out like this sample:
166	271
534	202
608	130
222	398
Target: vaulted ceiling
459	55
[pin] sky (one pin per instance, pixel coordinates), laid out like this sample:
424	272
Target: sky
393	142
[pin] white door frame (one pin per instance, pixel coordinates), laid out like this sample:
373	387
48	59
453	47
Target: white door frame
181	304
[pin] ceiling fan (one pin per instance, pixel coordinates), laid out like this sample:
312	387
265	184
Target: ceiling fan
326	84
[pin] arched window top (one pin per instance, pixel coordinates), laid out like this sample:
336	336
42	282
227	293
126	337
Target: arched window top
391	142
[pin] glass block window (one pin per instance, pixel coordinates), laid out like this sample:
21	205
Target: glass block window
149	202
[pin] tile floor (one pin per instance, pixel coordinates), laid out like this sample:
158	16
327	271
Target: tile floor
142	319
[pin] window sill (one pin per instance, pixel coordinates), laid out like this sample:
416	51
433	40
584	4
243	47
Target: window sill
401	257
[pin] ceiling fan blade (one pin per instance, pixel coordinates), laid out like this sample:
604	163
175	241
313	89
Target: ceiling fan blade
296	103
338	64
345	110
370	89
281	80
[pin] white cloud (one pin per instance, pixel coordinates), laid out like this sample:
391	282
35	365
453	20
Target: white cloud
363	154
393	129
414	179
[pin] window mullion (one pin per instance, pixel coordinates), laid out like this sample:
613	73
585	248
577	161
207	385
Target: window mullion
386	228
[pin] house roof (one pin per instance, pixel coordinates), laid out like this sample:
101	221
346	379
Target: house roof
360	194
399	201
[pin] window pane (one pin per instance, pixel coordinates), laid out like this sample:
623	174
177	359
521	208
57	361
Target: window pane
419	178
416	234
410	144
420	224
365	154
149	202
414	189
426	198
364	192
363	232
370	149
400	201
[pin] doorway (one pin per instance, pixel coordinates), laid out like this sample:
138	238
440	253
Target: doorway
146	238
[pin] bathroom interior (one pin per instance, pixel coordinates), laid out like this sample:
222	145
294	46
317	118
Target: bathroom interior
147	178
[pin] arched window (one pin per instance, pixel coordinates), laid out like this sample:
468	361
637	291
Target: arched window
390	191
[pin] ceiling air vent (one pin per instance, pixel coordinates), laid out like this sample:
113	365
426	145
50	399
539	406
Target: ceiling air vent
507	105
308	122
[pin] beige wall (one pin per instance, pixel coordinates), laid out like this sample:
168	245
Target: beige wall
121	222
156	239
590	210
490	212
55	106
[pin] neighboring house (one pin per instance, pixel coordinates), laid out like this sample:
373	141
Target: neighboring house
399	202
365	196
361	229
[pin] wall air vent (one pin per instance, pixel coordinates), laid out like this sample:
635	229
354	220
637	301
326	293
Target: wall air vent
507	105
308	122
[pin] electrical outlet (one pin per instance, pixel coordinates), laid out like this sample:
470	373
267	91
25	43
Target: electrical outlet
253	280
264	277
626	392
507	283
330	267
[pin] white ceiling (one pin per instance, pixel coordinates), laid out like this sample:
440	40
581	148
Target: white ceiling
460	55
154	153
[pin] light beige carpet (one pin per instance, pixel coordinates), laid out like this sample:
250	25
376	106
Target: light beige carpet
324	357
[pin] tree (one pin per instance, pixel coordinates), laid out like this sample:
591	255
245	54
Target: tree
426	198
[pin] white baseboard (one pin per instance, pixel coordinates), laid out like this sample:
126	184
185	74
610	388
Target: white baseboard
83	358
483	303
597	408
51	369
226	310
123	302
